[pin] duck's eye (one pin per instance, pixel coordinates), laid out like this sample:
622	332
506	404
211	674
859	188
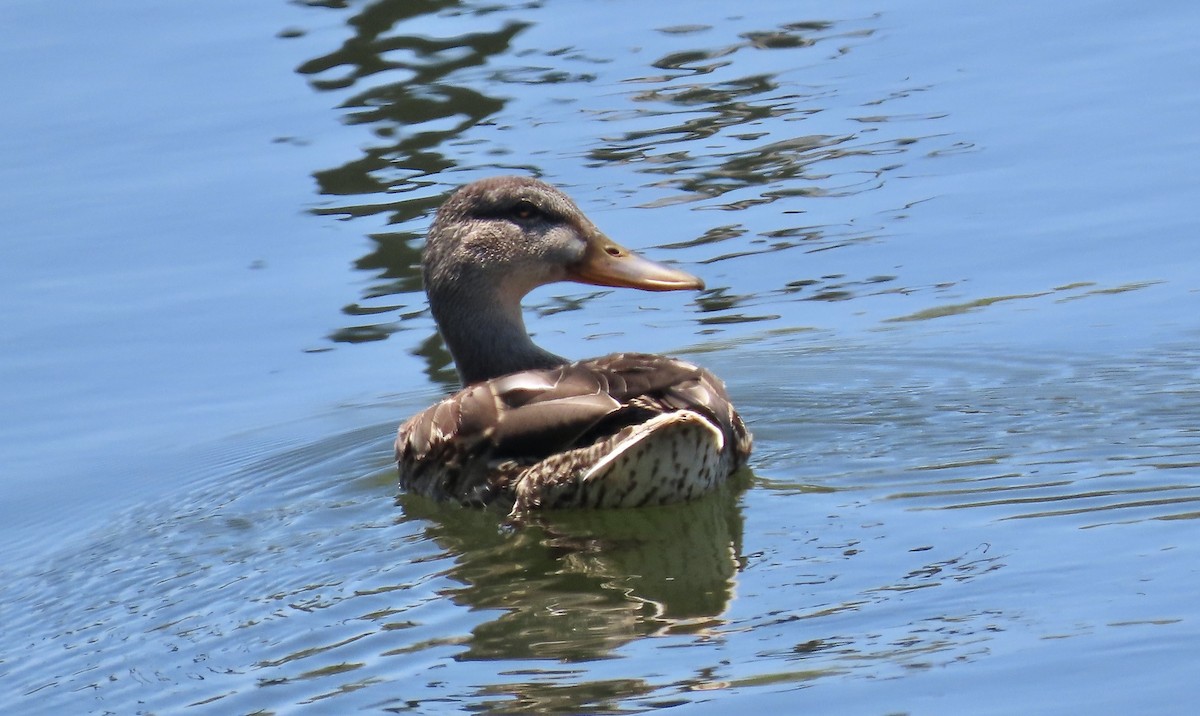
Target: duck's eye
525	210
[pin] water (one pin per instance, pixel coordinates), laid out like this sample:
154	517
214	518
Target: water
952	287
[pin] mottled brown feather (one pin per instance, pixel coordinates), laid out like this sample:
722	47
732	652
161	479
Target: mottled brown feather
476	446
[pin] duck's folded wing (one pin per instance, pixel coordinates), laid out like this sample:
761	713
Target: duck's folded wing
530	414
626	376
463	446
672	384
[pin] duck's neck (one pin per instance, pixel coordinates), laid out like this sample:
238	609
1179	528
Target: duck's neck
485	333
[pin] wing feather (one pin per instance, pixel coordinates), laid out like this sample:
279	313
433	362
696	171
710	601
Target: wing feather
461	447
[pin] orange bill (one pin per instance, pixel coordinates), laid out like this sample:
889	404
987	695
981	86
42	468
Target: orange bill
607	263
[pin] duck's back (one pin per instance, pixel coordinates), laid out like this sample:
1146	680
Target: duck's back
621	430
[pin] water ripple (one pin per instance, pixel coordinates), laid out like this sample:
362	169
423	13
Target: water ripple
1021	436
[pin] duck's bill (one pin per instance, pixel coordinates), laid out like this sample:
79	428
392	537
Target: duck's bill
609	264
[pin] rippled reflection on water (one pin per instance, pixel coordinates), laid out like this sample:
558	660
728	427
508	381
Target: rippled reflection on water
727	121
926	515
899	538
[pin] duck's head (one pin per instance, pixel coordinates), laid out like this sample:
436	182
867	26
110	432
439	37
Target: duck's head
495	240
518	233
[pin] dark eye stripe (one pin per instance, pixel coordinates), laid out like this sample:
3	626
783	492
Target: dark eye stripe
526	210
521	210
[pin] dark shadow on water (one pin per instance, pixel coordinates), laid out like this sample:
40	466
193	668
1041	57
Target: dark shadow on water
450	91
575	585
411	120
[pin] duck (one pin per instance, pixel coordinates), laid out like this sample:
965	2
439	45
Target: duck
531	430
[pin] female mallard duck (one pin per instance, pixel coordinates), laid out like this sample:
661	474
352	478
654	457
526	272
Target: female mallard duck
530	429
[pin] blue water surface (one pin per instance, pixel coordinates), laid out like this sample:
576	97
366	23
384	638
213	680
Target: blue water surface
952	283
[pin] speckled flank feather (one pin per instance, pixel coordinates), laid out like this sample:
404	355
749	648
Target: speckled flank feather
671	458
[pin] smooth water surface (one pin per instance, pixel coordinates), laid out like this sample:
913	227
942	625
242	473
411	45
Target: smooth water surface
952	285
